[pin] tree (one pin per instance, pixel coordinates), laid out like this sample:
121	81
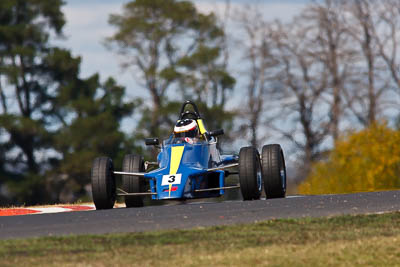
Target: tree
52	123
167	43
372	83
297	71
388	44
89	113
303	81
324	71
367	160
24	35
24	93
334	49
259	75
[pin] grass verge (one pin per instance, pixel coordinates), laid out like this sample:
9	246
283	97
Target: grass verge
344	241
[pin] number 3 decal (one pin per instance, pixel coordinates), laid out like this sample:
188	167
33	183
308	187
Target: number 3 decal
171	179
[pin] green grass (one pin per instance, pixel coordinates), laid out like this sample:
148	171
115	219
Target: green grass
339	241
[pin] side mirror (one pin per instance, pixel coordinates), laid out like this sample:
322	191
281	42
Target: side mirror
216	132
152	141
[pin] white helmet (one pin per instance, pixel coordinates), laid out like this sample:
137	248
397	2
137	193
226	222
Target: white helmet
186	128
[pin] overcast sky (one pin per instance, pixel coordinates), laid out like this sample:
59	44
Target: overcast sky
87	27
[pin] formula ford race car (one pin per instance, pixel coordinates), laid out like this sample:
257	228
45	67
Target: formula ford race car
189	166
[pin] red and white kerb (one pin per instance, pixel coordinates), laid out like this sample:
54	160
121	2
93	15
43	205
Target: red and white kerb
185	128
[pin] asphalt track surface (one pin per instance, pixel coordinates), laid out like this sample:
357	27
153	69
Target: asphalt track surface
200	214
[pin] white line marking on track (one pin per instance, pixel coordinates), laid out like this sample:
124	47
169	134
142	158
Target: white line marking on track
50	210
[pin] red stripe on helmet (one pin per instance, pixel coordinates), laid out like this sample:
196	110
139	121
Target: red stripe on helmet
185	128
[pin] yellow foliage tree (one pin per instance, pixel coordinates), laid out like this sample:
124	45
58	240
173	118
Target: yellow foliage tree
368	160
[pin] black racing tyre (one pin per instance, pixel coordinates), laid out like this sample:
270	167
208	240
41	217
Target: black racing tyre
250	173
103	183
133	184
273	171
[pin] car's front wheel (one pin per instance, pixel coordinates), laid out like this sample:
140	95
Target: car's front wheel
250	178
133	184
274	171
103	183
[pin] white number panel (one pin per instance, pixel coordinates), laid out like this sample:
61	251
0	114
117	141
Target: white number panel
171	179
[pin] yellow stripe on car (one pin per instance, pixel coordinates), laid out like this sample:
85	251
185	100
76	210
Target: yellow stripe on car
176	156
169	190
201	126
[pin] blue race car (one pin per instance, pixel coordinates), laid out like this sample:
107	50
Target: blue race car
189	166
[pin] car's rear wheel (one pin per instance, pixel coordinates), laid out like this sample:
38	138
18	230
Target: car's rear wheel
250	178
103	183
273	171
133	184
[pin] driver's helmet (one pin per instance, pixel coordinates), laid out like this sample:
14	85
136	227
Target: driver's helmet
186	128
